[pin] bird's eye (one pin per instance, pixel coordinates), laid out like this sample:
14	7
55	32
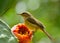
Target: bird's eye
23	13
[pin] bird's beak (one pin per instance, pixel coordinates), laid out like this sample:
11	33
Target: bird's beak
19	14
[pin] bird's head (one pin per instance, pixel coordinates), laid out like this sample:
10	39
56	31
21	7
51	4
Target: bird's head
25	14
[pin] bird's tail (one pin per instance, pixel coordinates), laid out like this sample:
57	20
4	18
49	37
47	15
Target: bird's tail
49	36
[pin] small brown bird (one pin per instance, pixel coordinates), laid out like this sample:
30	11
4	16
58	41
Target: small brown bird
33	23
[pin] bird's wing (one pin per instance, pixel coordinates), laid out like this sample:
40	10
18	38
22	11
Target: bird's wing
35	22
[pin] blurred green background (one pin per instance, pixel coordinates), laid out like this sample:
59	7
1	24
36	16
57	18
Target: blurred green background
47	11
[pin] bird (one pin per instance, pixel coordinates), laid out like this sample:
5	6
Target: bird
34	24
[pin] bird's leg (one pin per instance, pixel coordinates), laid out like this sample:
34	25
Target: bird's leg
34	31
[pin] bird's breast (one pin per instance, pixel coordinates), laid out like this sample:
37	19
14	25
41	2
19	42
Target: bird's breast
30	25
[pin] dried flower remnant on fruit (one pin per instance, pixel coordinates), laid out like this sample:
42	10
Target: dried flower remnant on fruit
23	33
